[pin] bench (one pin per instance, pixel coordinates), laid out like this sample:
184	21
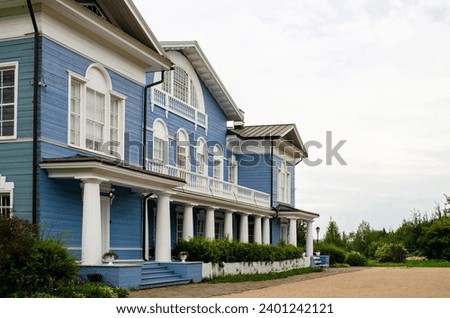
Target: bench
321	261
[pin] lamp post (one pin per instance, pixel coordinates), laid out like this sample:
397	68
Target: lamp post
318	231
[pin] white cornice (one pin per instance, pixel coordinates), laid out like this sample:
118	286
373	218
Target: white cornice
95	28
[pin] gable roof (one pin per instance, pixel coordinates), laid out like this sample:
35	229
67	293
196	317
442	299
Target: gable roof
124	15
285	132
205	71
119	23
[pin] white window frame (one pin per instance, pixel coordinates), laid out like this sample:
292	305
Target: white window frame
218	229
15	66
179	225
181	85
233	170
217	162
183	150
6	189
115	148
160	142
200	226
284	184
202	157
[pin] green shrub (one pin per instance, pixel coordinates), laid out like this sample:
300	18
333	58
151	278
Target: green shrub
219	251
31	267
391	253
99	290
337	254
356	259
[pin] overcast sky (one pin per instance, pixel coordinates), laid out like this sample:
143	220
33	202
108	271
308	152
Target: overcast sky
375	73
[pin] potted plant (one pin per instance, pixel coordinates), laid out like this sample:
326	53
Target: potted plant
109	257
183	255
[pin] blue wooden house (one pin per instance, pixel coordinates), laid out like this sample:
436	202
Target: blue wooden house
113	140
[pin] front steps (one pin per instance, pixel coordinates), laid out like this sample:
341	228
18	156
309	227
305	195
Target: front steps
157	275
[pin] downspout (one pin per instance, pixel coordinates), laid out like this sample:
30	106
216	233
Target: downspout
271	174
144	129
35	111
144	157
145	225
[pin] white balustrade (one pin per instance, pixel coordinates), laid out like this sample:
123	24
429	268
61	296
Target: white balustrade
198	183
176	106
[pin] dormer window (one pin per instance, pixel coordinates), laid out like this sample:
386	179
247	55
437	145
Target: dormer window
94	9
179	84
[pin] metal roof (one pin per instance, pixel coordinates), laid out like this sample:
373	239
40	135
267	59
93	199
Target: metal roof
288	132
197	58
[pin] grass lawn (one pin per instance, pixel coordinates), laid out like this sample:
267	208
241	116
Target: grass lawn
426	263
261	277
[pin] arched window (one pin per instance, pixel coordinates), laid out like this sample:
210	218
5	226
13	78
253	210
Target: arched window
96	113
183	150
284	184
160	141
217	162
202	152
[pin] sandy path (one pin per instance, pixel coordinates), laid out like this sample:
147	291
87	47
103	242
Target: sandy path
372	282
376	282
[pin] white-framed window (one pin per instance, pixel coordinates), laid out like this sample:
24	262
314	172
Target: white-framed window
180	85
200	226
5	204
218	229
183	150
233	170
284	184
179	226
96	113
160	141
202	159
6	197
8	100
217	162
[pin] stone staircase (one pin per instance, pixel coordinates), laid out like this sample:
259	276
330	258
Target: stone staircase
157	275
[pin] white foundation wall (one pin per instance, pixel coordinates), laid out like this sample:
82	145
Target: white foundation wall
214	270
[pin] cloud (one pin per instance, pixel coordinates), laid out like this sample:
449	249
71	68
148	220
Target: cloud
375	73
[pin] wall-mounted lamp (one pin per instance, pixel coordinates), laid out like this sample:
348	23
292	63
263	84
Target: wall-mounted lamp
111	194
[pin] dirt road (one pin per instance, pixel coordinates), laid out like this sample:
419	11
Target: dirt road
376	282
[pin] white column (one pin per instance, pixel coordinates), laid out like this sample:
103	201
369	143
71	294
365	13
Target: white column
293	232
228	225
257	229
243	233
163	237
91	237
188	222
309	238
266	230
209	224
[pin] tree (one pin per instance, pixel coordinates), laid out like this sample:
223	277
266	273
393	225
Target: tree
435	240
301	234
332	235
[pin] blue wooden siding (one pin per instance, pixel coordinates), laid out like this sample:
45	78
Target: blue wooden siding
216	134
254	171
56	61
22	51
16	155
126	225
61	209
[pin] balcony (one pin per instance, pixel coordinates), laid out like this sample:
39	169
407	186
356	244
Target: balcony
205	185
176	106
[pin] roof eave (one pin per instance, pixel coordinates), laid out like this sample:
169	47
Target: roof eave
208	75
